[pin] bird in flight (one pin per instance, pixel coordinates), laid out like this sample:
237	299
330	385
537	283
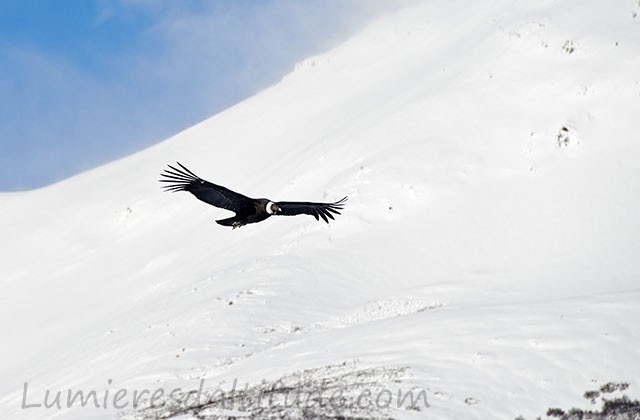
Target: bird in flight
247	210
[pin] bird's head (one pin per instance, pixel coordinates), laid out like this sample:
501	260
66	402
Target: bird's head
272	208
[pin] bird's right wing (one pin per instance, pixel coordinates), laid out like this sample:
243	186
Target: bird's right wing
182	179
317	210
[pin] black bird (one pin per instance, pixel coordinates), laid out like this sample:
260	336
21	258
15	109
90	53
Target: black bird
248	210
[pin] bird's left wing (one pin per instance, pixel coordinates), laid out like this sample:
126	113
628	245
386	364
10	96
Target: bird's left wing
317	210
182	179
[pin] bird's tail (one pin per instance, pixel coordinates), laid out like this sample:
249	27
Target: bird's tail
232	222
226	222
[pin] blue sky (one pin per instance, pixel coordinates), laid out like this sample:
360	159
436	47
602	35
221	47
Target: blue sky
83	82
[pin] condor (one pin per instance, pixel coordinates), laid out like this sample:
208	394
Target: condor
247	210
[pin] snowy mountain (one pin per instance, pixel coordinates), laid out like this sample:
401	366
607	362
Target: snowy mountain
488	254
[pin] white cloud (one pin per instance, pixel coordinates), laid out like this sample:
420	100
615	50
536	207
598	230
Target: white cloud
195	59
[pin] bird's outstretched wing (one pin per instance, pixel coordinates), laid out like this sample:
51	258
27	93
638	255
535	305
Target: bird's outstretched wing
182	179
317	210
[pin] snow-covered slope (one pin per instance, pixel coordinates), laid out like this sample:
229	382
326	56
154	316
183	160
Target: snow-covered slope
488	254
